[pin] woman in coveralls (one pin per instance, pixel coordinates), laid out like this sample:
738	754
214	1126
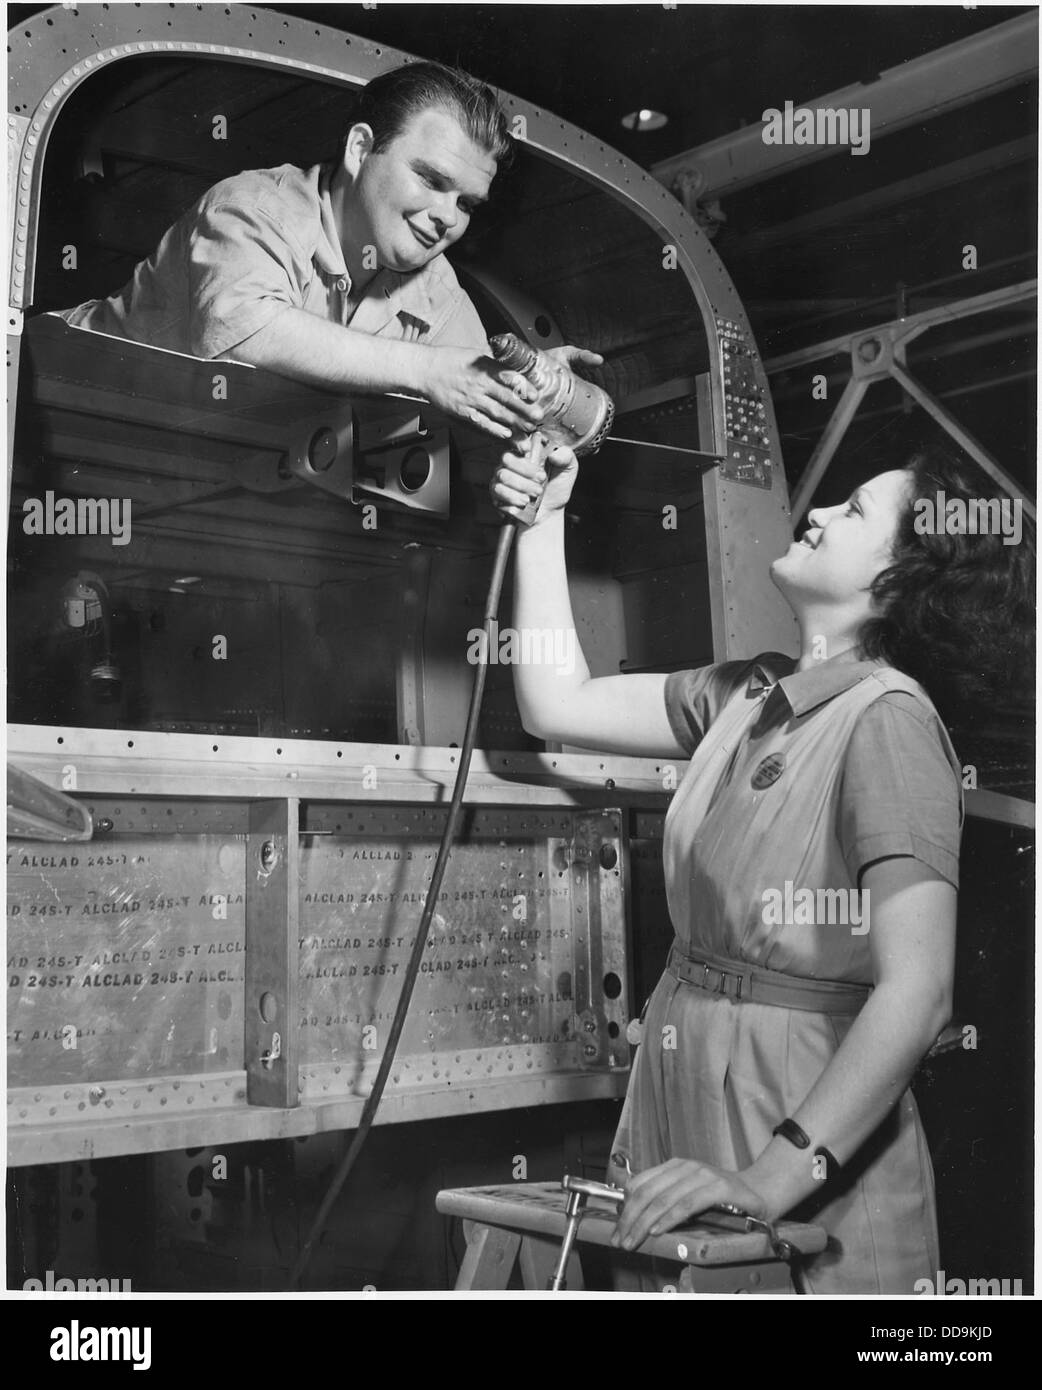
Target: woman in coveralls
778	1046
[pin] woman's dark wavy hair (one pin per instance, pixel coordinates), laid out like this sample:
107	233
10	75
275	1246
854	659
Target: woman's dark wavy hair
389	102
956	612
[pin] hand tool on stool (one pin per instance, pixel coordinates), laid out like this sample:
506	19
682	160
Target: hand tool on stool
724	1214
733	1218
578	1189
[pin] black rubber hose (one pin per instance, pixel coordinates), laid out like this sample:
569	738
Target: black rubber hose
347	1163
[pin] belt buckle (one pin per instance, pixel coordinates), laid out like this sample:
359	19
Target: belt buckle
721	986
739	979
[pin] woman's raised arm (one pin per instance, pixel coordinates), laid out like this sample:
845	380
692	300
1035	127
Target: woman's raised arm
556	695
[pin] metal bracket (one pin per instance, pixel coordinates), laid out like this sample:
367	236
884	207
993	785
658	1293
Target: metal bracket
36	811
272	1026
323	453
413	475
873	355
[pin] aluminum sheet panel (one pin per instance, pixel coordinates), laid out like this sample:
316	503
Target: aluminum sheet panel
126	955
525	961
124	958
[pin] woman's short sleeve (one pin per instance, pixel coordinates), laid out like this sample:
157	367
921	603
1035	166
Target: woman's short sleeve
900	794
695	698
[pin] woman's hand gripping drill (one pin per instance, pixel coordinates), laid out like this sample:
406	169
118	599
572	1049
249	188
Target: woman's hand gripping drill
522	487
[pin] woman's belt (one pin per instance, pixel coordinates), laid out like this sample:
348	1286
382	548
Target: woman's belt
751	984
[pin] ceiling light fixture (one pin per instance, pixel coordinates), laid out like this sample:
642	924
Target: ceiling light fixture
645	119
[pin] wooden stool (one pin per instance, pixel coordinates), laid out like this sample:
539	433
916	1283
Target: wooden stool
526	1221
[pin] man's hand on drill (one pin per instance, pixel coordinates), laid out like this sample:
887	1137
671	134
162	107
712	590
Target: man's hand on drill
474	388
463	383
569	356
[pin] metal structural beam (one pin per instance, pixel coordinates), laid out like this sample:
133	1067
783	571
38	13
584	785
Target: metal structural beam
1008	333
878	353
824	451
950	77
957	309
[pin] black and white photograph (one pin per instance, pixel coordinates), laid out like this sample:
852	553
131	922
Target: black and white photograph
520	662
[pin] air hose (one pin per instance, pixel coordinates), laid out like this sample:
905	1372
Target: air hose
575	413
412	970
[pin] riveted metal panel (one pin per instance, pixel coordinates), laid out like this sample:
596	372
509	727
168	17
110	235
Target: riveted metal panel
128	961
125	956
528	928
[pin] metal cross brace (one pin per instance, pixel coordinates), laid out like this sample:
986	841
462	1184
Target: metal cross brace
880	352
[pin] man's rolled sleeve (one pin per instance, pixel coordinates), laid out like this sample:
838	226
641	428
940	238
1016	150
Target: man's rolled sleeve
900	795
244	269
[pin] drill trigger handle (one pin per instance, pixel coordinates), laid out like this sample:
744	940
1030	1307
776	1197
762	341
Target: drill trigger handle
538	448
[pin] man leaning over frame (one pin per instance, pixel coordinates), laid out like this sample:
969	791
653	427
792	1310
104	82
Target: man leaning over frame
336	275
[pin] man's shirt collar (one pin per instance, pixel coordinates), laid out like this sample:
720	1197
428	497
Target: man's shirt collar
389	294
329	255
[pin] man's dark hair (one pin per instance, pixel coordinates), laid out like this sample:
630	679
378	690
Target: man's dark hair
956	611
390	101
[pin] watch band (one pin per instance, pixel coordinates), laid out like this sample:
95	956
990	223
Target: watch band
789	1129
